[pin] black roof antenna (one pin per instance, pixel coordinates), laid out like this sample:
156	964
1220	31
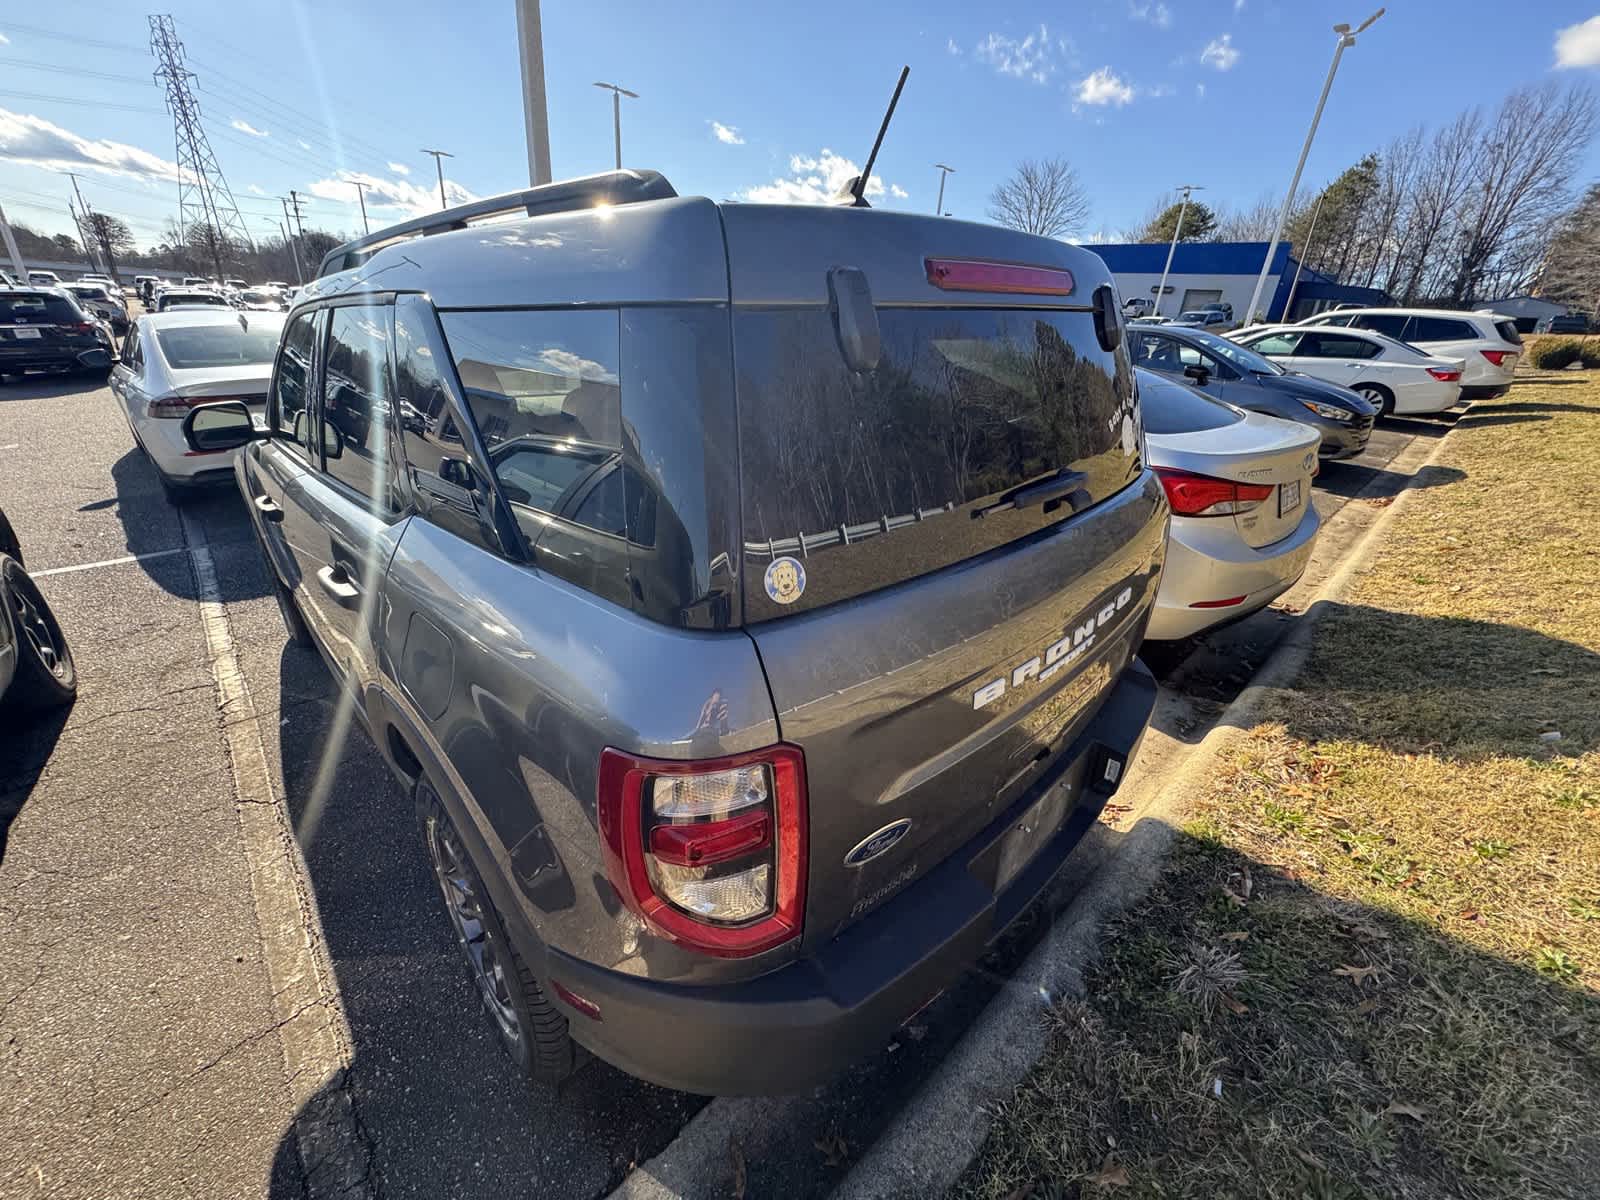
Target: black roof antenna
855	192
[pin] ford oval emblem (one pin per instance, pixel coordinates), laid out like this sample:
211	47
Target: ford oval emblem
875	844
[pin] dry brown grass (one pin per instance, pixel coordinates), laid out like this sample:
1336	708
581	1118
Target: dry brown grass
1373	964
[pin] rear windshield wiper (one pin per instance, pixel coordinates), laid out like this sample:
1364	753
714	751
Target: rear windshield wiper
1048	491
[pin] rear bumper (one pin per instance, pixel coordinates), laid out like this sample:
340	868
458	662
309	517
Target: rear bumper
162	440
1485	391
55	358
806	1022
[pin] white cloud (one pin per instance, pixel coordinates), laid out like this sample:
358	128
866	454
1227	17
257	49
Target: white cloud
40	143
898	192
1579	45
246	127
399	168
1157	14
950	45
1161	91
728	135
1103	87
255	189
409	198
1031	58
304	145
1220	53
816	180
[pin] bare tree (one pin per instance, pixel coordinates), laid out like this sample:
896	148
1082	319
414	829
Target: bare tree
1570	270
1397	173
1521	174
1253	224
1442	182
1042	197
111	235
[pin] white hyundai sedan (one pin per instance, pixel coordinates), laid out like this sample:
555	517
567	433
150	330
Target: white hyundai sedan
1395	377
172	361
1243	524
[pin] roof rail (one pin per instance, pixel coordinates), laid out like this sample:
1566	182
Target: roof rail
587	191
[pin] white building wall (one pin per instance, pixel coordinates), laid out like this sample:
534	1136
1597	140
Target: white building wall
1235	289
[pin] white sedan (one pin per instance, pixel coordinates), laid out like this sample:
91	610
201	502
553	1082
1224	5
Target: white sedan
1239	484
172	361
1396	377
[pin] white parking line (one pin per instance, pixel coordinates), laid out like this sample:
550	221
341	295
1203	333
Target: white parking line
109	562
313	1032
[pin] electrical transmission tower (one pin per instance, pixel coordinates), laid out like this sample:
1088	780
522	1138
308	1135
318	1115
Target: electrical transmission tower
203	194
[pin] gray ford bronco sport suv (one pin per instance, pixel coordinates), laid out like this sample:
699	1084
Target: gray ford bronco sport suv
747	594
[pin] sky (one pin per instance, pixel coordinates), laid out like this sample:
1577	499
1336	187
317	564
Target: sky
753	100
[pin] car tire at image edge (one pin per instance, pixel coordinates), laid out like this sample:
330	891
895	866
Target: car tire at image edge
1379	397
46	676
528	1027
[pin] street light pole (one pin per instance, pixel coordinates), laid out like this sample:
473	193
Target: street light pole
438	161
944	171
535	112
1346	40
1177	230
617	93
299	275
1305	253
361	194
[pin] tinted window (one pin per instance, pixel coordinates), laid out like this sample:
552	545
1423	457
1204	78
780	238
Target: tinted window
355	400
1439	329
1508	330
218	345
1170	408
1335	345
291	385
1389	324
1275	343
877	477
38	309
543	390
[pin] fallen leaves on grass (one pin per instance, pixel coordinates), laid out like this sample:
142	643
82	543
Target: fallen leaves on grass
1111	1174
1396	1109
1356	975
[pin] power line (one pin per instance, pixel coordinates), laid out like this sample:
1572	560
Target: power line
77	39
65	70
81	101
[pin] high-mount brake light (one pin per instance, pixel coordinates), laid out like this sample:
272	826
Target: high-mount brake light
979	275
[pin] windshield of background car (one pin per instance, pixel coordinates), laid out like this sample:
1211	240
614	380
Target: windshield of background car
38	309
1245	360
1169	407
190	347
90	293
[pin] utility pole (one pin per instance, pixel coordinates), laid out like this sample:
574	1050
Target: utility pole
361	194
86	228
438	161
1305	253
1346	40
535	112
938	208
295	202
299	275
1161	292
11	249
617	93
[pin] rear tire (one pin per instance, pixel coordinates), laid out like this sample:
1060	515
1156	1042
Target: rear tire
1379	397
530	1029
46	677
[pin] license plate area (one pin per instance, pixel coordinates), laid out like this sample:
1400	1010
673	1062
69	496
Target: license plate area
25	334
1028	835
1288	497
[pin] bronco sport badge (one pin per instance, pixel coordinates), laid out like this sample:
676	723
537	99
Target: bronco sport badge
1063	652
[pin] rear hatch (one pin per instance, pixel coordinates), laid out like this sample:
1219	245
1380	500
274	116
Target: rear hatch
38	323
948	559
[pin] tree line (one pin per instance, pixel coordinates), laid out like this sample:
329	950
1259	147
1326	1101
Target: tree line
1479	208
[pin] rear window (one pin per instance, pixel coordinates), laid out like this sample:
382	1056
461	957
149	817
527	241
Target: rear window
1171	408
218	346
38	308
876	478
1508	330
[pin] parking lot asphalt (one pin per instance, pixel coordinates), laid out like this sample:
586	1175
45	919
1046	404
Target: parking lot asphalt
138	1047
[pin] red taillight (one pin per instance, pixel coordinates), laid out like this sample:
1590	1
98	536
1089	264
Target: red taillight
1497	357
1228	603
1445	375
82	327
582	1003
710	853
977	275
1202	496
179	406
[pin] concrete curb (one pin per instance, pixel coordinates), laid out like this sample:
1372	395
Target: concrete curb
941	1129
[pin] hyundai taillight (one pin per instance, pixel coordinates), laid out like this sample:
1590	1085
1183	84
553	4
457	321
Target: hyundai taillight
1497	357
178	406
1445	374
1202	496
709	853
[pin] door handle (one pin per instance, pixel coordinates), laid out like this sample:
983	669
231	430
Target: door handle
337	584
269	510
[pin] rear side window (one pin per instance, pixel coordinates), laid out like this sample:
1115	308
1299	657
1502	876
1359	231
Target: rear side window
1335	345
291	385
1389	324
1439	329
1275	343
1170	408
36	309
1508	330
876	478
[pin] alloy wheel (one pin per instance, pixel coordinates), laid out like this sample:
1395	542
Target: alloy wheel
486	957
36	628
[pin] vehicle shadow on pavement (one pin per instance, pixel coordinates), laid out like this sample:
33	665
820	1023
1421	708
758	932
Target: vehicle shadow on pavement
28	744
439	1103
44	387
1543	406
1374	483
1480	686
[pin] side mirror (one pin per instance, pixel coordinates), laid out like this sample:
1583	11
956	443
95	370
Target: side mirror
1198	373
225	426
458	472
332	441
